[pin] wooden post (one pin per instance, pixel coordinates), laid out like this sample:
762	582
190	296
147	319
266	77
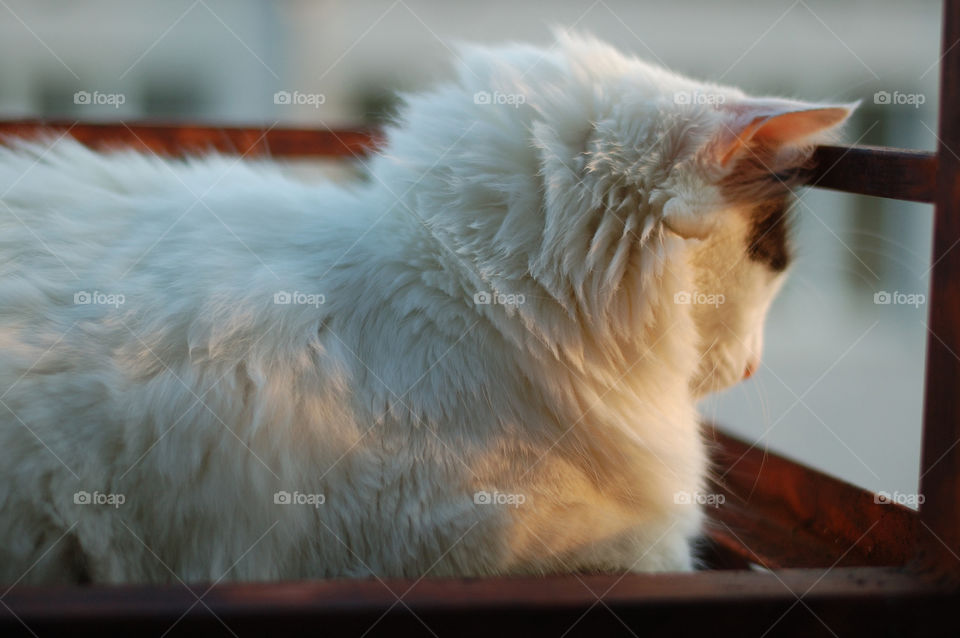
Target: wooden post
939	550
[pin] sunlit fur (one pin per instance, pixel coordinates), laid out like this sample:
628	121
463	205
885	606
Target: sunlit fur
598	199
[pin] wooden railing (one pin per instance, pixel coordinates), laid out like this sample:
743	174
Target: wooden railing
851	563
179	139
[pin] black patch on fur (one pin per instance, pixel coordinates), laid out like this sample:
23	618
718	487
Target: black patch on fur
768	241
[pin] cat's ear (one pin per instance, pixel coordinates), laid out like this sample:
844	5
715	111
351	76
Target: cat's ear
758	138
772	125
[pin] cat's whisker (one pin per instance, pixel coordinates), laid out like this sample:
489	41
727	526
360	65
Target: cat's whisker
886	239
913	267
845	267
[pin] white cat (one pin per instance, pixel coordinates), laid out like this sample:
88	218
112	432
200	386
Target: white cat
483	360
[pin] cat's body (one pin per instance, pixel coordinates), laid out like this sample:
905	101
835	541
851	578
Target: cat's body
553	429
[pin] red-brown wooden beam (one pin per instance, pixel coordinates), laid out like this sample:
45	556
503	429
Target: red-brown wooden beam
940	464
178	139
779	513
881	172
807	603
873	170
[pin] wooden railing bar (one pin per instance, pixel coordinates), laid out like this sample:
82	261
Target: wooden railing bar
179	139
878	171
940	460
779	513
881	172
849	601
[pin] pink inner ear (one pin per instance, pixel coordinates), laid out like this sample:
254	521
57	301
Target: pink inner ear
780	129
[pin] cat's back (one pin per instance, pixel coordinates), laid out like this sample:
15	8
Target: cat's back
118	269
87	204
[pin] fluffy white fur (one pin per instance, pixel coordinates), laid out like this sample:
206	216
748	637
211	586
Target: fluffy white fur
398	398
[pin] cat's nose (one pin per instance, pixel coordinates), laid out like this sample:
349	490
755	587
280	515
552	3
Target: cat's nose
751	368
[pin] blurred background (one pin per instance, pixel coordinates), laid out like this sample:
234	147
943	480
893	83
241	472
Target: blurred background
841	385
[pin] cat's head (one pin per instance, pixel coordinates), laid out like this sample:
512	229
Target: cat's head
665	158
732	207
618	197
733	211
